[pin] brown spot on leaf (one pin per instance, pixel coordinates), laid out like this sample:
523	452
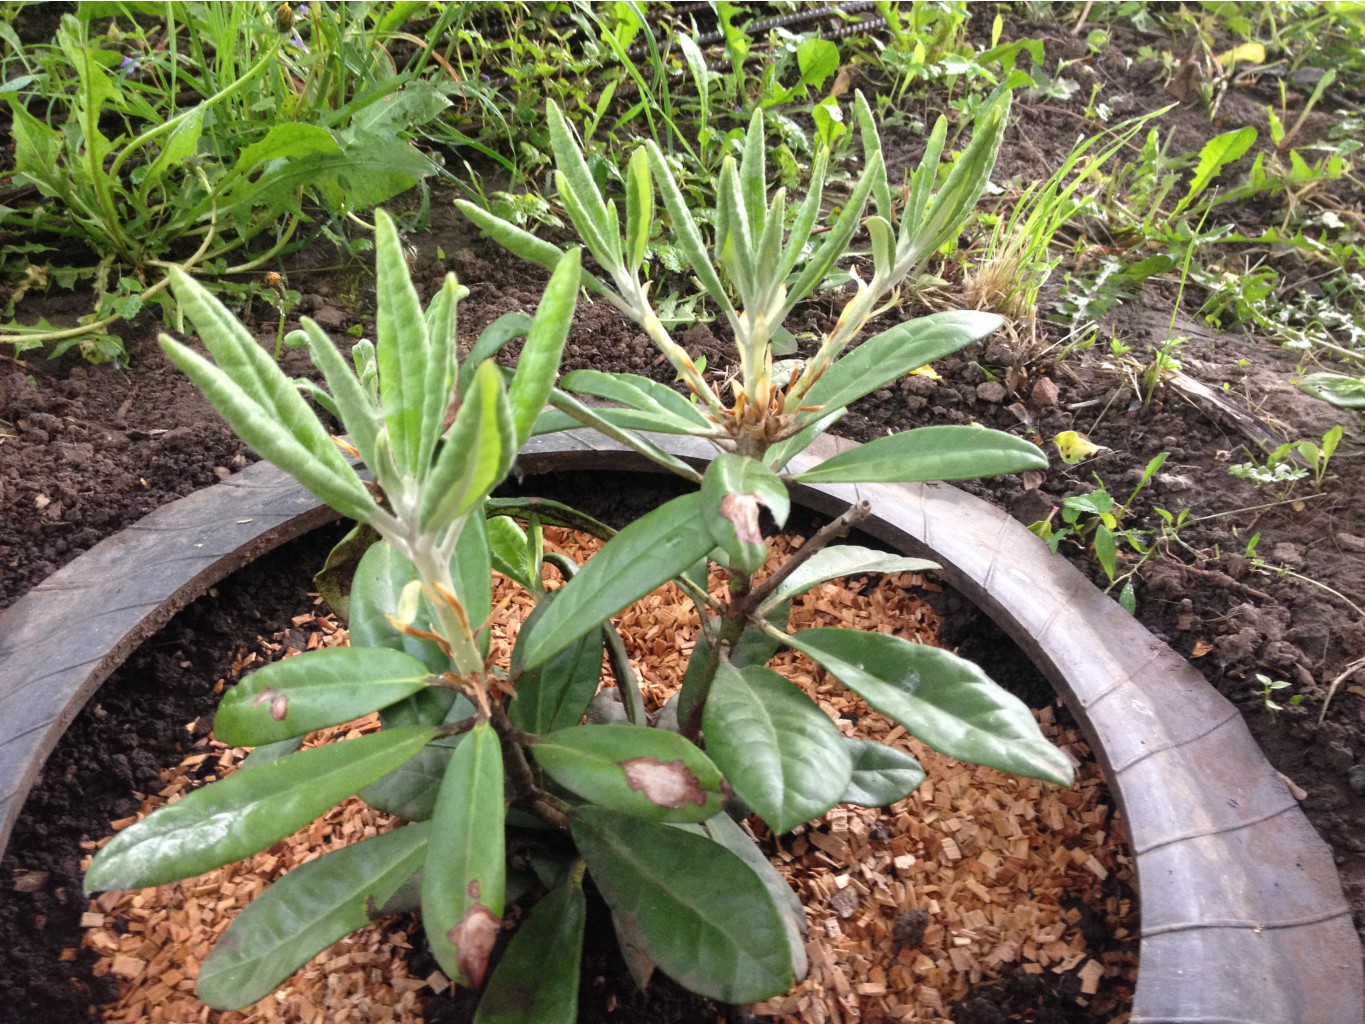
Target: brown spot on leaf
473	939
268	694
742	511
279	707
669	784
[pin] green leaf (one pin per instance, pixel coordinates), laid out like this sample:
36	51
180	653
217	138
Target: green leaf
357	411
929	453
471	570
734	241
644	772
724	830
303	913
442	319
403	350
286	141
335	578
476	454
375	590
943	700
505	328
246	812
639	208
647	553
524	244
1106	550
1217	153
556	694
1339	389
463	878
639	393
685	231
181	143
314	690
892	354
732	490
705	917
537	978
753	176
538	364
260	402
882	775
835	243
779	751
580	193
841	560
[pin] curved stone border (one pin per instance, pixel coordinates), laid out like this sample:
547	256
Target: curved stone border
1243	917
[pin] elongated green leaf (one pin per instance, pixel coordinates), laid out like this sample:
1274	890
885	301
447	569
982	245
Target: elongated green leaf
314	690
549	513
841	560
835	243
471	570
402	348
725	831
806	215
734	241
881	775
303	913
538	365
639	208
505	328
375	590
648	773
442	361
753	175
552	421
1217	153
706	918
477	452
260	402
779	751
357	411
647	553
636	392
732	490
537	978
579	192
181	144
524	244
1337	388
508	550
892	354
872	148
929	453
685	231
463	878
409	791
557	694
246	812
942	699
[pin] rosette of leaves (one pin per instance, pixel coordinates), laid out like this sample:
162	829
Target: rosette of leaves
508	794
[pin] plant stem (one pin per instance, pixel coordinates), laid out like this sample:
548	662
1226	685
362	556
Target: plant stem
520	775
753	603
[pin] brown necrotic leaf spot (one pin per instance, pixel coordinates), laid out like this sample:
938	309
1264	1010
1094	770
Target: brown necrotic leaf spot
473	939
668	784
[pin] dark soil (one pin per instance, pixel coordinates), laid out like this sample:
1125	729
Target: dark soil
85	451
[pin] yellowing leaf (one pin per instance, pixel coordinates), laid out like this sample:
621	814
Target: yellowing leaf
926	371
1247	53
1201	648
1075	448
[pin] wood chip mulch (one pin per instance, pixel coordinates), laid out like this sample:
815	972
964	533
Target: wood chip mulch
976	876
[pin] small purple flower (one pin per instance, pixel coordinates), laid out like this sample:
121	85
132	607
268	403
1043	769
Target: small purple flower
299	44
128	65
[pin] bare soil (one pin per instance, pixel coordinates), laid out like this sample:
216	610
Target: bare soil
86	451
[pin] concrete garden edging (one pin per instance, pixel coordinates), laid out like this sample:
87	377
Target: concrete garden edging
1243	916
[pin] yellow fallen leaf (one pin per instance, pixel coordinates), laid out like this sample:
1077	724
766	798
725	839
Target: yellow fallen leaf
926	371
1247	53
1075	448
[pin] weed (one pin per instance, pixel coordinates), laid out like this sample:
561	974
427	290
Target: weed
1266	689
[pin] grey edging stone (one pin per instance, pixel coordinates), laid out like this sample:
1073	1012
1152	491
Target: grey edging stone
1243	916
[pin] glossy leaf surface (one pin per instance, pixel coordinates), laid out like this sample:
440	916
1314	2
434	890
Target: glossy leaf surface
246	812
378	583
647	553
706	917
881	775
929	453
303	913
647	773
314	690
537	978
556	694
780	752
732	491
943	700
463	878
842	560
